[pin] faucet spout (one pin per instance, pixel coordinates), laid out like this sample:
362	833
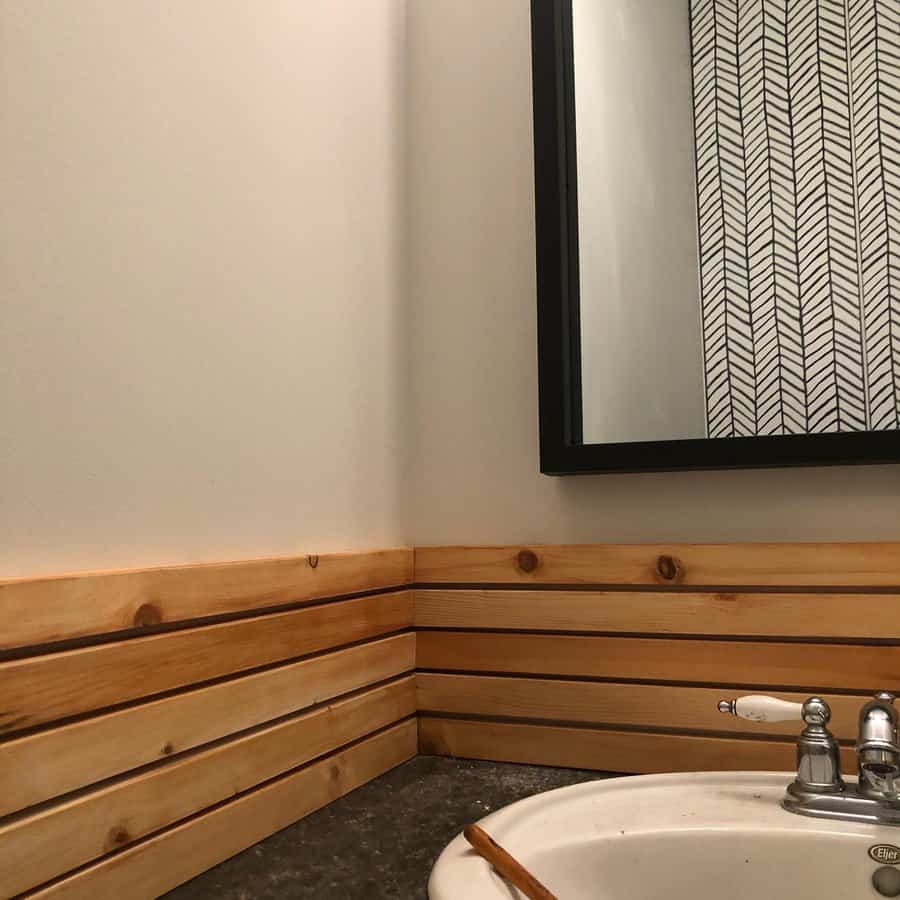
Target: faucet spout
879	753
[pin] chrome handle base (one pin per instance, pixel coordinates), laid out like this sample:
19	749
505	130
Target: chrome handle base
818	752
849	806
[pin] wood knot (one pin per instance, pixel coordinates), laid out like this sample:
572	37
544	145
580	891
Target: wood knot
313	560
117	837
147	614
527	561
669	569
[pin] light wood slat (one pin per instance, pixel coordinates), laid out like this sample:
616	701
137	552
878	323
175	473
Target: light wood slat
602	703
37	610
819	666
627	752
165	860
754	615
52	842
863	565
52	762
43	688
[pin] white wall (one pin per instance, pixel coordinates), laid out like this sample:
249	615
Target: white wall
641	343
472	293
203	333
202	329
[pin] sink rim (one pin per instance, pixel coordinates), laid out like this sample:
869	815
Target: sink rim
746	802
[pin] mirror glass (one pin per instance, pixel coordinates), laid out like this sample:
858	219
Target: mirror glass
738	217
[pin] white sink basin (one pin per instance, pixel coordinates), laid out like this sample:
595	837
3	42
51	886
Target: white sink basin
721	836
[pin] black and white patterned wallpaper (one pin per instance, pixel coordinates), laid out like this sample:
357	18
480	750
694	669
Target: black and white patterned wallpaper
797	130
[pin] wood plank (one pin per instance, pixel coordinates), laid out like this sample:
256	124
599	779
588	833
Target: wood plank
43	688
608	703
37	610
629	752
808	666
813	565
713	613
49	763
54	841
171	857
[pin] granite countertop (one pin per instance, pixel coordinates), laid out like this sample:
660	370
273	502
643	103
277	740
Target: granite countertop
381	840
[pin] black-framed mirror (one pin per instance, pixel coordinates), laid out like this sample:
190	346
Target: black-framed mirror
718	233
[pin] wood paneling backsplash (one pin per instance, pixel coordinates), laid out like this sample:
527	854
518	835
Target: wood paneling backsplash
612	657
155	722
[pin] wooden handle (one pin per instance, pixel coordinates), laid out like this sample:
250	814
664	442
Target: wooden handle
510	868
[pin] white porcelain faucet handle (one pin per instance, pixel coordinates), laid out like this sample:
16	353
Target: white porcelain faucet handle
760	708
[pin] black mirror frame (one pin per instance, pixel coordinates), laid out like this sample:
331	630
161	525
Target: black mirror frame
563	451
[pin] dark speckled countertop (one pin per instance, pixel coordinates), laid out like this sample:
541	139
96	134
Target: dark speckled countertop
381	840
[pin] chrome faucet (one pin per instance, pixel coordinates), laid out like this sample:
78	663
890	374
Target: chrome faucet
819	789
879	754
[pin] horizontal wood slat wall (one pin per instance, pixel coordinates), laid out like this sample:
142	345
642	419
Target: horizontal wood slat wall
43	688
797	565
817	615
131	761
750	664
167	859
618	751
55	761
60	607
600	703
120	755
41	847
612	657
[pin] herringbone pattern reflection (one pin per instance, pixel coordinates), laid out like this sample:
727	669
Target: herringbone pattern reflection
797	129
